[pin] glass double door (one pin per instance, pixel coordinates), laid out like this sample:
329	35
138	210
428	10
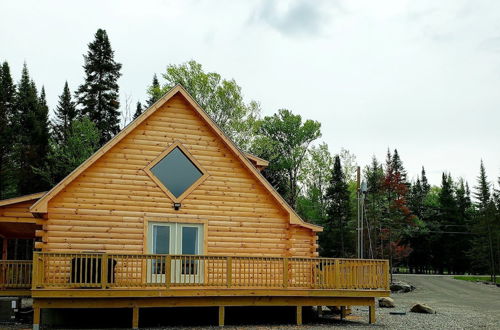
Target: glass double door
183	240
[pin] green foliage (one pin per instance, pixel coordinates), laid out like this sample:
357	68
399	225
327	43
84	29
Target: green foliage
284	140
154	92
65	113
7	132
220	98
332	239
483	188
98	96
81	142
485	224
138	110
349	164
31	144
315	178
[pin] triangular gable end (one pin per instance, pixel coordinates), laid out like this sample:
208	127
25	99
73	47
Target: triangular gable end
40	207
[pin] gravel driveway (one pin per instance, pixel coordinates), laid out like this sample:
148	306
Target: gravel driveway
459	305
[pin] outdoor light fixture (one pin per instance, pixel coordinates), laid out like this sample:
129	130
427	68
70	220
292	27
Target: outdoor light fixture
177	206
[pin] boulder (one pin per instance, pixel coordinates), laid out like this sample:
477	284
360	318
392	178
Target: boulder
401	287
421	308
386	302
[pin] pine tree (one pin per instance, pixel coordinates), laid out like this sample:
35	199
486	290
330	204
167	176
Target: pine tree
33	135
426	187
397	168
98	95
81	142
154	92
483	188
338	212
138	110
486	226
7	132
65	113
375	200
445	255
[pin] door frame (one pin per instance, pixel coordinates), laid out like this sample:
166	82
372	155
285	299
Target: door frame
202	246
147	220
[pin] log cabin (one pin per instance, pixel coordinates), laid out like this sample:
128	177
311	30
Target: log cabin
171	213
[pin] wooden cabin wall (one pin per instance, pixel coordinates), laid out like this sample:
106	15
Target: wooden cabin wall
18	212
106	207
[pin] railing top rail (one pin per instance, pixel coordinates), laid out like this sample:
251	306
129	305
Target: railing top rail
203	256
7	261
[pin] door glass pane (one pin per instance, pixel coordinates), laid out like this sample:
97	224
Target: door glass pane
161	243
189	240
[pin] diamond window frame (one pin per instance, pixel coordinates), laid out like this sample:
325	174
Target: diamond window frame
185	151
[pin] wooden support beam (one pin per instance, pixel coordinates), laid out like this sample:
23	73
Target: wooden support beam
135	318
36	317
342	312
221	316
299	315
371	318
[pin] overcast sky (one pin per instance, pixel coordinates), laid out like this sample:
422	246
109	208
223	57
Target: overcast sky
419	76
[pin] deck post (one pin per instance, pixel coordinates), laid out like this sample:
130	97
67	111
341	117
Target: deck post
168	271
371	318
285	272
104	271
299	315
221	316
135	317
36	317
336	269
342	312
229	275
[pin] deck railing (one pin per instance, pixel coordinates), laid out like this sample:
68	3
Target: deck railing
15	274
111	271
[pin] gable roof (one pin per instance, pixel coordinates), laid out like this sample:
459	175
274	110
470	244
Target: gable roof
21	199
41	205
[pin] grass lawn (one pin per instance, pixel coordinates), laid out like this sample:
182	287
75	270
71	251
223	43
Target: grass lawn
478	278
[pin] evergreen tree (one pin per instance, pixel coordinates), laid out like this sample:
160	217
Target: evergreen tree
154	91
375	201
486	227
426	187
398	216
397	168
7	132
33	135
65	113
461	243
81	142
138	110
332	239
98	95
445	256
483	188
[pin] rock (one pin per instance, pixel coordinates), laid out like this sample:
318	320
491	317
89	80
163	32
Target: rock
401	287
421	308
386	302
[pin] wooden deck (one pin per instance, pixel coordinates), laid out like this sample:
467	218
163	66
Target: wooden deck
84	280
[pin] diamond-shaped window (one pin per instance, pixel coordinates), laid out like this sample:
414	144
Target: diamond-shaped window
176	172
